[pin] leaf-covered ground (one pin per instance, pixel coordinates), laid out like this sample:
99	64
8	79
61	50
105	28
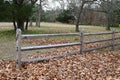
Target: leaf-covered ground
87	66
93	65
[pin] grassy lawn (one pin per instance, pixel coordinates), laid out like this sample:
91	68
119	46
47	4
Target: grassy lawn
7	35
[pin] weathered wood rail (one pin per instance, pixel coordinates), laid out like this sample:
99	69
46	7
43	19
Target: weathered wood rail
19	38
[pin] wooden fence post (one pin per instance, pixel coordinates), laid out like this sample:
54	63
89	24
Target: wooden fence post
18	46
81	41
113	39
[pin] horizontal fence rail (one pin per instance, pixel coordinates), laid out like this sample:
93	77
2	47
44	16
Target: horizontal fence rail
49	57
65	54
100	33
60	45
63	34
19	48
49	35
94	41
48	46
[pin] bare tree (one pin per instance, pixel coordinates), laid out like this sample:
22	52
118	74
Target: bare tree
38	16
62	4
77	7
31	22
108	7
40	6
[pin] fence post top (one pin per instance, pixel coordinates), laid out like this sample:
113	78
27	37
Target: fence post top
18	32
18	29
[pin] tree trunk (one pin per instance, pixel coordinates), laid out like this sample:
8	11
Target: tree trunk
26	27
78	18
77	25
36	19
31	24
108	16
20	24
14	23
108	21
39	14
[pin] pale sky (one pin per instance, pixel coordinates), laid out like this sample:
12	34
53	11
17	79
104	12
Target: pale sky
52	4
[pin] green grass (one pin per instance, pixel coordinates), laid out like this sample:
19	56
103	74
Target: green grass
116	28
8	34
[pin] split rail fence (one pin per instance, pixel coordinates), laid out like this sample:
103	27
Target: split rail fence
20	36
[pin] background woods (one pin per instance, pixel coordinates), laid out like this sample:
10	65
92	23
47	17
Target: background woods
87	12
